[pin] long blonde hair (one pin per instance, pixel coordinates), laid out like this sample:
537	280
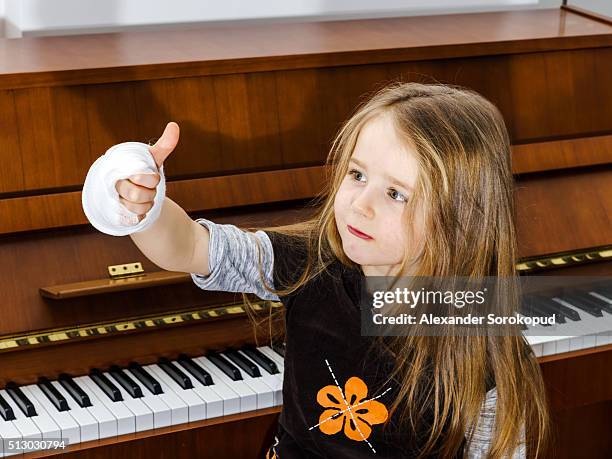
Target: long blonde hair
466	186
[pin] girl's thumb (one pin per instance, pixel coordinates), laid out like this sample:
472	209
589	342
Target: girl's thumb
165	144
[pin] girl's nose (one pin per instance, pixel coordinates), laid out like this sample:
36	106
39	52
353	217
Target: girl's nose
362	204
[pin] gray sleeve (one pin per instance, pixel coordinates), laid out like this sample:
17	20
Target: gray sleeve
233	261
481	440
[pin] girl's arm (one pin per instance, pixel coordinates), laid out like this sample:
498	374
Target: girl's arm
234	258
174	241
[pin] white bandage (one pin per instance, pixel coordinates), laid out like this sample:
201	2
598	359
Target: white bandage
100	198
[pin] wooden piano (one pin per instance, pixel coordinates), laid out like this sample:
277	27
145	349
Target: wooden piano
258	106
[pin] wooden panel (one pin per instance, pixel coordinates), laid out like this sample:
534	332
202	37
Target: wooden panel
304	137
313	105
11	172
65	209
191	103
582	432
112	116
566	98
561	154
44	259
565	211
53	136
564	376
259	121
248	121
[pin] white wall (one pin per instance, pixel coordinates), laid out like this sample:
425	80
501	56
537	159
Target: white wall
63	17
2	33
599	6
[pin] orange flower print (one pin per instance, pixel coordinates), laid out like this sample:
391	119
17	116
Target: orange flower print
350	410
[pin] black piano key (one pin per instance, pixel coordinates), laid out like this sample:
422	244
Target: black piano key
542	309
279	348
581	304
53	394
5	410
528	308
567	312
74	390
145	379
249	367
225	366
196	370
21	400
604	289
261	359
171	370
597	302
126	382
549	307
106	385
584	298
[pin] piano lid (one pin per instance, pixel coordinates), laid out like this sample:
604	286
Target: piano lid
205	50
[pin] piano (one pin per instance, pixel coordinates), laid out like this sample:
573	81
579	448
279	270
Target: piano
102	349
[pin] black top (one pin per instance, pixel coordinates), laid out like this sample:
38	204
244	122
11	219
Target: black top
328	368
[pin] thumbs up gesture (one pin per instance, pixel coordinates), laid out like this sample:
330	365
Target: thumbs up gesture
138	191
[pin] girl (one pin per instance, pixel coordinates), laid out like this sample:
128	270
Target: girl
420	185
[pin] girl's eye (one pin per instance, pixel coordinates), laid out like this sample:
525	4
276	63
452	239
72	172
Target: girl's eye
355	174
395	194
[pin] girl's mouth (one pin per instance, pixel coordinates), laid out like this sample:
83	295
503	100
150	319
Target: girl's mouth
358	233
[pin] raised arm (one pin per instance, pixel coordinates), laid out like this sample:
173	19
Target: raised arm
219	257
173	241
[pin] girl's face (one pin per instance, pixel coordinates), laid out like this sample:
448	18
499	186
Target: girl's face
370	202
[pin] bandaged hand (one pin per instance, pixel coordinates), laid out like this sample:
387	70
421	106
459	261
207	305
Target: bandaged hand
125	188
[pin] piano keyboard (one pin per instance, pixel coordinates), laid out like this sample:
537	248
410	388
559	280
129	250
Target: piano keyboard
584	320
126	400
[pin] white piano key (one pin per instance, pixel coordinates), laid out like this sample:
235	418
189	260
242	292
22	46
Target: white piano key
549	348
214	403
197	406
229	397
265	395
576	343
588	341
162	415
87	423
587	328
248	398
563	345
274	382
70	429
126	421
602	339
24	424
144	416
538	349
107	423
47	426
179	411
8	431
